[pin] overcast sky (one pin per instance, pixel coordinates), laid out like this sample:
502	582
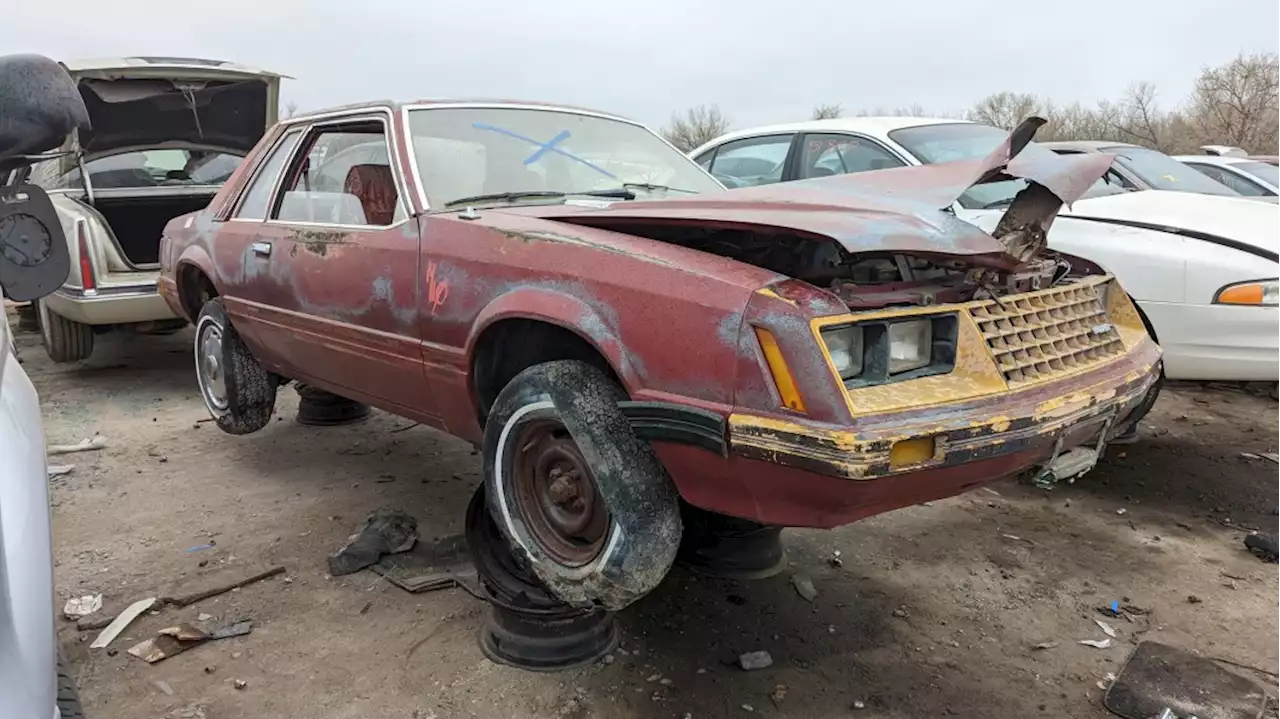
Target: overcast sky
762	62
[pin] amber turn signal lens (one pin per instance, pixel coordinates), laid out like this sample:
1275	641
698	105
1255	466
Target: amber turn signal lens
782	377
1249	293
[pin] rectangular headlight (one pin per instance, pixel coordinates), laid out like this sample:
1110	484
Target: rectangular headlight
845	348
910	345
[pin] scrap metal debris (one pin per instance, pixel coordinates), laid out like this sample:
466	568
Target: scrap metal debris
58	470
121	621
177	639
386	531
1106	628
85	445
1158	677
78	607
429	566
191	597
1097	643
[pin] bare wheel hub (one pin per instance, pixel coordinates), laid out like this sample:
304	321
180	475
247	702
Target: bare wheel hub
209	367
557	494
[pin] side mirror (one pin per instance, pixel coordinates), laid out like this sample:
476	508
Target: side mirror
34	259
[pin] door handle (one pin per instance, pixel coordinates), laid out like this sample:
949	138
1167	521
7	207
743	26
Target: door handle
262	248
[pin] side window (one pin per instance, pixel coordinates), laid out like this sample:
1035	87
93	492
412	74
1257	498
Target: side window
1230	179
705	159
825	155
753	161
343	176
258	196
1114	178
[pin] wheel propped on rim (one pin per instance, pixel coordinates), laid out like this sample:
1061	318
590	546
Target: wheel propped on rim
580	498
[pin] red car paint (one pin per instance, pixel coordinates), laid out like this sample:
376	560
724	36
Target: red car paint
394	317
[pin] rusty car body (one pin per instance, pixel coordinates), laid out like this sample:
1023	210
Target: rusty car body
719	325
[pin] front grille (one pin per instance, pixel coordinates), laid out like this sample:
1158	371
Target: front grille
1040	336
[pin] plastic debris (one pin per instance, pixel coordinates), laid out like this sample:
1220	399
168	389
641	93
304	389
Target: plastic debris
122	620
84	445
752	661
1106	628
58	470
804	587
1097	643
78	607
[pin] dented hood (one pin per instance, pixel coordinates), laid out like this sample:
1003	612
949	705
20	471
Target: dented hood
904	209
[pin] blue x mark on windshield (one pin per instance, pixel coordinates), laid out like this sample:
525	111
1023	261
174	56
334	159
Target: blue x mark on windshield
543	147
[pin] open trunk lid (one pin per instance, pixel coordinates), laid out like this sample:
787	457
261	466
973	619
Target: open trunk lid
152	102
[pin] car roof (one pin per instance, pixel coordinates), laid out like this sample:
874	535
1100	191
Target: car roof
476	103
1085	145
1213	159
879	126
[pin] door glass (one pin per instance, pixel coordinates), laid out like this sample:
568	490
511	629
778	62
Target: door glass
256	199
826	155
753	161
343	178
1230	179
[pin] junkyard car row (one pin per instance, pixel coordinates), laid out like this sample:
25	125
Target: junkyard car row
795	326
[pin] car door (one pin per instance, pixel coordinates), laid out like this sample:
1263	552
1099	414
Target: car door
338	262
1231	178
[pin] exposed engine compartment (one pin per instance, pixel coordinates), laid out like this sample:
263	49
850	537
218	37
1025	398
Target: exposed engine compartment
865	280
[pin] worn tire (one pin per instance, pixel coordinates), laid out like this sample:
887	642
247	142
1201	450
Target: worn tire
643	532
64	340
68	695
250	388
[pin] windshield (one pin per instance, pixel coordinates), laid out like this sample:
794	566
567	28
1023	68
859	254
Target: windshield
468	152
1161	172
1269	174
155	168
966	141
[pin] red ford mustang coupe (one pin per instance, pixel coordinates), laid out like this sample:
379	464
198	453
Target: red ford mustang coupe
622	335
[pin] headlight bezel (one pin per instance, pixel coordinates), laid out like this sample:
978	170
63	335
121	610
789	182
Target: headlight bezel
876	361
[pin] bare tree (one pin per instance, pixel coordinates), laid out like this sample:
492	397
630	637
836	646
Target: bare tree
1140	119
1236	104
915	109
1005	109
827	112
697	126
290	109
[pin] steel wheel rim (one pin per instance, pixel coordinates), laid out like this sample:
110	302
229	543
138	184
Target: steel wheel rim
210	368
557	494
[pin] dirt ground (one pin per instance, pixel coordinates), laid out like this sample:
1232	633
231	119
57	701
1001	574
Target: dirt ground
935	612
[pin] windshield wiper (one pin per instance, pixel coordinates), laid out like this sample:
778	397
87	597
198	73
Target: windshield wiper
508	196
626	193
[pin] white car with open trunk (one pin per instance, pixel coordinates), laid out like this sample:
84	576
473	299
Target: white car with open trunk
166	133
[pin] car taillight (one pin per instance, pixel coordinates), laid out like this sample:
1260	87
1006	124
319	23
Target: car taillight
87	280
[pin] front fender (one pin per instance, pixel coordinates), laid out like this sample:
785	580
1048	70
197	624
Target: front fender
563	310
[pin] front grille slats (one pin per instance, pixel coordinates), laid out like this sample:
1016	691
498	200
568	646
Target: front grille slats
1048	334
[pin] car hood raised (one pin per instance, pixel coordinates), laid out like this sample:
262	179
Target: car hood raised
903	209
1256	224
143	103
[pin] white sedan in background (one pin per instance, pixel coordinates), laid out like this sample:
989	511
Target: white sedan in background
1203	268
1246	175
